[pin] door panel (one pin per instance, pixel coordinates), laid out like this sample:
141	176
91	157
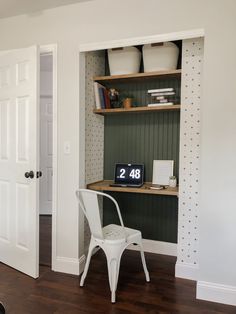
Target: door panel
22	124
4	129
18	154
22	215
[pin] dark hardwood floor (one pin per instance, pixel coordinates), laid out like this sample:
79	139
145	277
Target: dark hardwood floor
57	293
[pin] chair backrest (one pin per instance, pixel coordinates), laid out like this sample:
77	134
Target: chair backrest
88	201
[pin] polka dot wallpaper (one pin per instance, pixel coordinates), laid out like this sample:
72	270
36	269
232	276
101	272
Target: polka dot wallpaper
94	127
188	234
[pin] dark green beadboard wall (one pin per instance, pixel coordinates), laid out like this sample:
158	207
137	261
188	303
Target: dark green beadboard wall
138	89
142	138
155	216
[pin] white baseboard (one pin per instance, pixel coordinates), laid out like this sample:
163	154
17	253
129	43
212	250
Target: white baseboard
157	247
67	265
186	270
216	292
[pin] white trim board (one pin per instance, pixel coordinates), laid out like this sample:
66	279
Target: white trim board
68	265
186	271
195	33
213	292
157	247
52	49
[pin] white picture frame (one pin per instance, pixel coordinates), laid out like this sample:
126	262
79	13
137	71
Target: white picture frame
162	170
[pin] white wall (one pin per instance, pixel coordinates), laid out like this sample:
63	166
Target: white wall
105	20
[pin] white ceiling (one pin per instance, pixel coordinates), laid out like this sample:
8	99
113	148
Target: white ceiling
17	7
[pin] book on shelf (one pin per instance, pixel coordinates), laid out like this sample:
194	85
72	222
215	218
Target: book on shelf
163	94
161	97
107	99
161	90
96	86
102	100
102	97
162	101
161	104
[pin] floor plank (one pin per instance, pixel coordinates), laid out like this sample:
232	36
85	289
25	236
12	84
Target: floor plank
58	293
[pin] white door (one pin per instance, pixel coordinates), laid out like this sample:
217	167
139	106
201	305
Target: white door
46	156
19	220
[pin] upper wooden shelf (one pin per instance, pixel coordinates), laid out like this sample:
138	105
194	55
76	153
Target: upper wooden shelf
148	75
137	109
145	189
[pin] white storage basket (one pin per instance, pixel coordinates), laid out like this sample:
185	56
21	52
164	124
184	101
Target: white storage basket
160	57
124	60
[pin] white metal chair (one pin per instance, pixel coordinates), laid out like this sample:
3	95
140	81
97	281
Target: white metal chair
113	239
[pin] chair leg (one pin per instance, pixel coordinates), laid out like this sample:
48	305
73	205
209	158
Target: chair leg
2	309
113	264
90	251
144	262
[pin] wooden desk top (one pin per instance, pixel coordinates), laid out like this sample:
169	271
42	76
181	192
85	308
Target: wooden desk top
145	189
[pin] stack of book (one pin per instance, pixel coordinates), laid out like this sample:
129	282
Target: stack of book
102	100
161	97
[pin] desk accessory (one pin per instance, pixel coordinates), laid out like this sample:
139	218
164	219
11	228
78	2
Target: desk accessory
172	182
162	171
127	102
128	175
113	95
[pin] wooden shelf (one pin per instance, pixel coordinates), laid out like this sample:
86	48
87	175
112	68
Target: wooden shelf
145	189
137	109
148	75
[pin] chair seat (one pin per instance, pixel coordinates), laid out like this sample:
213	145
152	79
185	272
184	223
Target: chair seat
115	233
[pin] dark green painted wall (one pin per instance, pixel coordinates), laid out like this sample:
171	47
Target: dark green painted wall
155	216
141	138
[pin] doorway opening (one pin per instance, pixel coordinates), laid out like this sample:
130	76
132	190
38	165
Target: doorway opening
186	248
46	159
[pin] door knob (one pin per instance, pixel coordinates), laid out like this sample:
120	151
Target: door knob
29	174
39	174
